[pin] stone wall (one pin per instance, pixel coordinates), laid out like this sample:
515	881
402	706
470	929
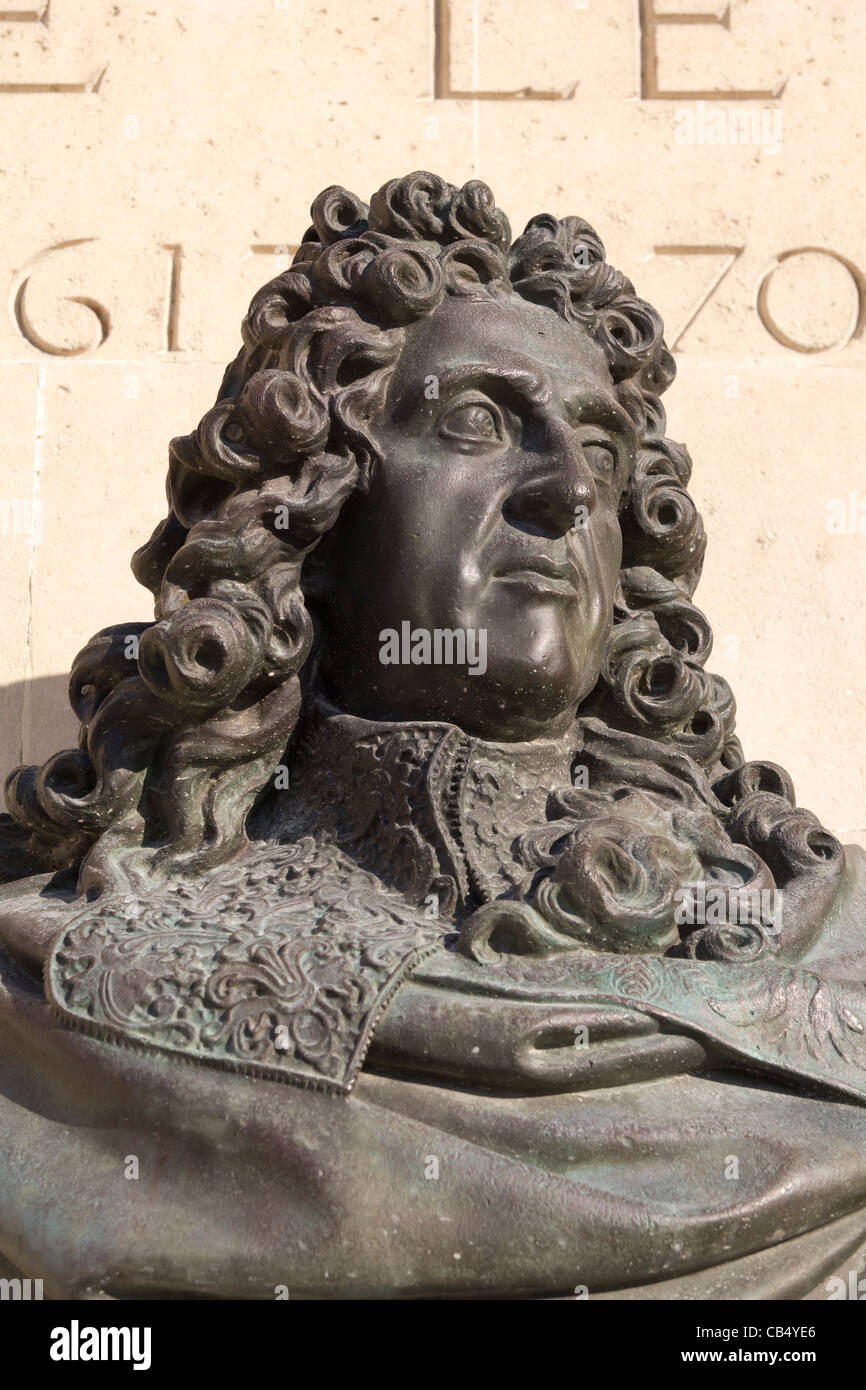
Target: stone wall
158	162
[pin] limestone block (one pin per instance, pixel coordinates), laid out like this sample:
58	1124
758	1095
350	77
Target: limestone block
159	162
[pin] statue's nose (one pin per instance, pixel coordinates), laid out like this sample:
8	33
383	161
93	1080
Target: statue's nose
556	490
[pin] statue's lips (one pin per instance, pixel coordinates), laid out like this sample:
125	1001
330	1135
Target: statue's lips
543	575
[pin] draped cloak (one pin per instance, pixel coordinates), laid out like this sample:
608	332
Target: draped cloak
281	1075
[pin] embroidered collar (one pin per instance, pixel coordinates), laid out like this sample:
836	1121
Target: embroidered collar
429	808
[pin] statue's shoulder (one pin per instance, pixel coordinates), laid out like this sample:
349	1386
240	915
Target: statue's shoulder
278	963
32	912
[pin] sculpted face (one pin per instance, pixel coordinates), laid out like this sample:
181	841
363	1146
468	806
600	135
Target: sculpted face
493	512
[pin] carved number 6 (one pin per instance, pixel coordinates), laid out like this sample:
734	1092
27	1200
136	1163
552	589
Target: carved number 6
24	323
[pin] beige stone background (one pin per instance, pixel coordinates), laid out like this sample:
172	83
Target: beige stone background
156	156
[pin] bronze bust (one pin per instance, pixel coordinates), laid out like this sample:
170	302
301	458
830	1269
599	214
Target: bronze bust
417	795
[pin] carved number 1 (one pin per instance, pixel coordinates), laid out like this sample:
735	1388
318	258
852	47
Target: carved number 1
172	314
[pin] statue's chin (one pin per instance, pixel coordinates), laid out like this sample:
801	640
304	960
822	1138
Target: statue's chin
487	714
512	725
522	692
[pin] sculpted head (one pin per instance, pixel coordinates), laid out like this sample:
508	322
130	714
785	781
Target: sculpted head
429	429
502	457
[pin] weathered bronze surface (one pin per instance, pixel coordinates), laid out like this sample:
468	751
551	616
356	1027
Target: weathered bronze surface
417	796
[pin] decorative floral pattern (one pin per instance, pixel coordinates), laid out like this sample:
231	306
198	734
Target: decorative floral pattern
279	963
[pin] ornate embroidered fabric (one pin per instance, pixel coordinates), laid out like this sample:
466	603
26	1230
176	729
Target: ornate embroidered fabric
282	961
280	964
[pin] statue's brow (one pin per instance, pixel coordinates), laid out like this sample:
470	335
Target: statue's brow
521	385
531	387
599	410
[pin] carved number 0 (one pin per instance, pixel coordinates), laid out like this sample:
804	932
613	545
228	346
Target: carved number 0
761	302
773	328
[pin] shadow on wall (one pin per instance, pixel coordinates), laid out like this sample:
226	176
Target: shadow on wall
35	721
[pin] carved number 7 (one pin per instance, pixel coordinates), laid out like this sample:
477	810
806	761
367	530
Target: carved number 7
855	329
733	252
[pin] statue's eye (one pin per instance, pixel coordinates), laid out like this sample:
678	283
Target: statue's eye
602	459
473	422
